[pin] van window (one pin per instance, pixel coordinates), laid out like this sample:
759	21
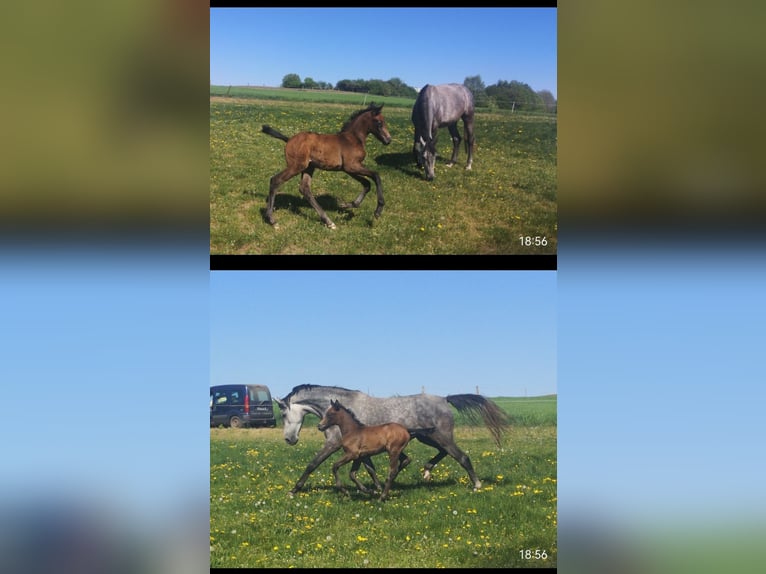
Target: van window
259	395
236	398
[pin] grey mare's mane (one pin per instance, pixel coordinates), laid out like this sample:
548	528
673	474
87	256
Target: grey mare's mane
318	397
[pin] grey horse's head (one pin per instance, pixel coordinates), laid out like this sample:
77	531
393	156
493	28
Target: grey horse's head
425	155
292	418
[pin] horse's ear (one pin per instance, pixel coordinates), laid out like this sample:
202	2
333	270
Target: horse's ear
335	404
281	404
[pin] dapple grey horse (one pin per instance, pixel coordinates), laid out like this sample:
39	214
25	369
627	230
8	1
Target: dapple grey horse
436	107
430	413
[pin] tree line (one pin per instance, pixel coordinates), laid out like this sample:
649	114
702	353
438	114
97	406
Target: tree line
513	95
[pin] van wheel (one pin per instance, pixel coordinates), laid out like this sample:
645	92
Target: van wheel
235	422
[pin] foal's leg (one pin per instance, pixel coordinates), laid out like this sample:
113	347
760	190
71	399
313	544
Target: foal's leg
365	189
393	470
305	188
367	461
455	134
360	173
352	475
274	184
343	460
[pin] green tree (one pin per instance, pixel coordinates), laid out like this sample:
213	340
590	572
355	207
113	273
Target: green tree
378	88
515	95
548	100
309	83
291	81
478	89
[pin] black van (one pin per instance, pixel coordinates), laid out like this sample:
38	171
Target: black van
241	406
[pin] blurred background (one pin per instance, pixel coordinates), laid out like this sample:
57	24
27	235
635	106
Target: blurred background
104	271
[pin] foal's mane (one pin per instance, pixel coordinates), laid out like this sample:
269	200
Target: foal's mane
350	412
355	115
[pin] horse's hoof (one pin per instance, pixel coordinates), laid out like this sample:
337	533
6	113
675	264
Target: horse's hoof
450	164
468	168
331	225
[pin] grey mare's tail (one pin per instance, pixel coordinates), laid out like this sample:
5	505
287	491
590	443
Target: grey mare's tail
494	417
274	133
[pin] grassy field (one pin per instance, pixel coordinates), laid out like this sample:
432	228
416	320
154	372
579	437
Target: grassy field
510	192
442	523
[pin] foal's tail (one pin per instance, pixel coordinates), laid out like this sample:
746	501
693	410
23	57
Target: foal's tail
274	133
495	418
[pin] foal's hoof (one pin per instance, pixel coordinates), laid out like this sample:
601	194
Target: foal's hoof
331	225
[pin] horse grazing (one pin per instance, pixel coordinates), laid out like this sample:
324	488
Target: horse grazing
359	441
430	413
344	151
436	107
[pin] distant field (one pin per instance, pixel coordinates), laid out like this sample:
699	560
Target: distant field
441	523
320	96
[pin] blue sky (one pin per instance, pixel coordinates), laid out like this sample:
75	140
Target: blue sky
661	374
386	332
259	46
104	364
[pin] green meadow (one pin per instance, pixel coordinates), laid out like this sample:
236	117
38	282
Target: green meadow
510	522
507	200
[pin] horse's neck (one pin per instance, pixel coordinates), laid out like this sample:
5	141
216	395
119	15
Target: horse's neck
359	131
348	426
